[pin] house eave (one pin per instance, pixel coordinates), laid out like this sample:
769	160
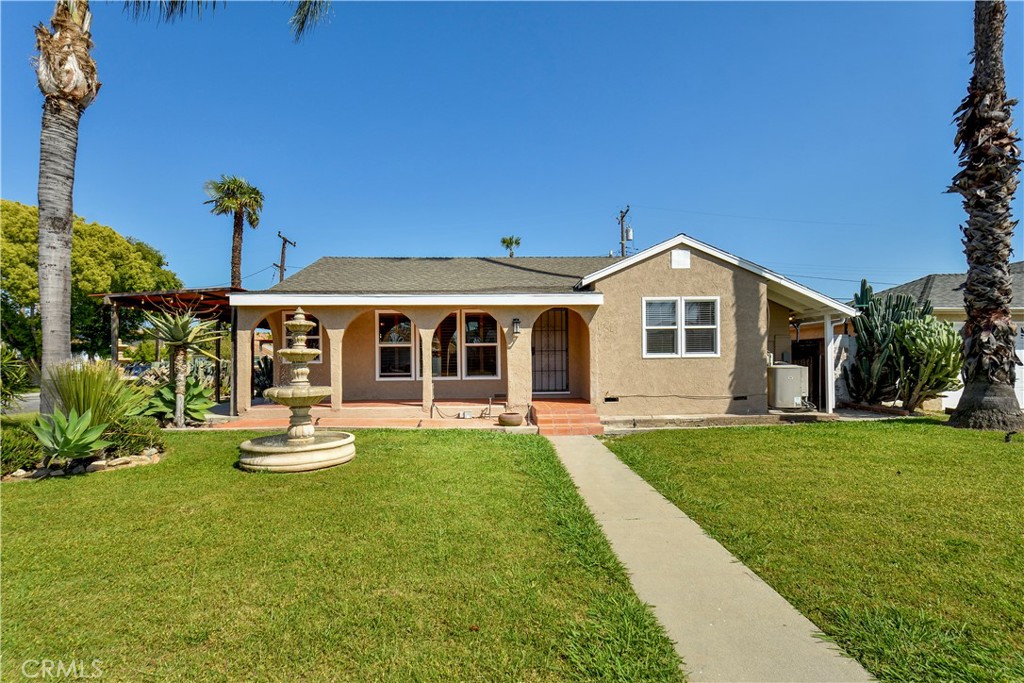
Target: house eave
385	300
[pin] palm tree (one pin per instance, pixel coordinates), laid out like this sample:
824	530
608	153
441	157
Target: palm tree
66	74
233	195
989	163
67	77
511	243
182	333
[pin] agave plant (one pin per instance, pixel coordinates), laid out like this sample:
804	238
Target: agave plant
262	374
182	332
68	436
164	402
14	379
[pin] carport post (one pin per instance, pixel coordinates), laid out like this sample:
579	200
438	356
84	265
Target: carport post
830	366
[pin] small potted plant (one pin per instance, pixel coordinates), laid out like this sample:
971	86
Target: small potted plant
510	419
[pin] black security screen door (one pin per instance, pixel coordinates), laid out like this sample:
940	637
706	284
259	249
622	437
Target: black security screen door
551	351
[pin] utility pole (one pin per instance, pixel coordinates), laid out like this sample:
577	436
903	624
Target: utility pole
284	246
623	229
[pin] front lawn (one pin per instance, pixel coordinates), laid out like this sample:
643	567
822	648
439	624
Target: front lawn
902	540
433	555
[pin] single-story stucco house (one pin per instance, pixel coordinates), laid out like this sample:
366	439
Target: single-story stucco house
681	328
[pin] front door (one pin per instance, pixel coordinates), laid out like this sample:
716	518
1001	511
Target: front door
551	351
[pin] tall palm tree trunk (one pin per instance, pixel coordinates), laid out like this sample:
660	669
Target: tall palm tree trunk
67	78
989	161
236	250
58	146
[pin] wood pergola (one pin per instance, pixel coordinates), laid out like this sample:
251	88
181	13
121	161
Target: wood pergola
206	303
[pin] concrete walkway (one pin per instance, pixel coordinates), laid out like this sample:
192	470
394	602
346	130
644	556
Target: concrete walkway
727	623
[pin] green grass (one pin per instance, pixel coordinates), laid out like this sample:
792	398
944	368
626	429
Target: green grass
432	556
902	540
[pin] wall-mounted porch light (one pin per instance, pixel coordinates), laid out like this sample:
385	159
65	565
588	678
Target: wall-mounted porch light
515	327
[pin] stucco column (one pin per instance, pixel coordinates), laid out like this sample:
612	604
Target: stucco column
335	339
243	380
519	361
426	339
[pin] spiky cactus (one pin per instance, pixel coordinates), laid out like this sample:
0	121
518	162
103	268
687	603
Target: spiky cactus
873	376
928	360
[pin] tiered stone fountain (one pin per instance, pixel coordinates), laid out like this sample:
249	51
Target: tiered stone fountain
301	449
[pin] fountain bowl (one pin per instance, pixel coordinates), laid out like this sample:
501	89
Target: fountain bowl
291	395
276	453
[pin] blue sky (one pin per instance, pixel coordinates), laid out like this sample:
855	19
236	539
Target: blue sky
813	138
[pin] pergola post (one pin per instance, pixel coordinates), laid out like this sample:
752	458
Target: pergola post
115	332
233	405
216	376
831	342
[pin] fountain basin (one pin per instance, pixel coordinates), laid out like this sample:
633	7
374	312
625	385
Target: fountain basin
277	453
297	395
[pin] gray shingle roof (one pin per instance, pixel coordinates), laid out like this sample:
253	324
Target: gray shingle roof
943	289
473	275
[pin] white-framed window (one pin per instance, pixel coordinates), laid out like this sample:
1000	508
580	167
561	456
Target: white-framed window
395	340
465	346
480	335
312	337
681	327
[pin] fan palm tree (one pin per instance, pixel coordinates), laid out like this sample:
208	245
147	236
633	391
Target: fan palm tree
67	77
989	163
234	196
511	243
182	332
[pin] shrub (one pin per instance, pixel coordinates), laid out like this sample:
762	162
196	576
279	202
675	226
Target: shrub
69	437
132	435
14	376
98	388
197	402
19	448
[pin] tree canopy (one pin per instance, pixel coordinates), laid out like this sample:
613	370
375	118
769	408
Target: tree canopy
102	260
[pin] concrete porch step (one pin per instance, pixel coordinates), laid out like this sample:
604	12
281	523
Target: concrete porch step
567	418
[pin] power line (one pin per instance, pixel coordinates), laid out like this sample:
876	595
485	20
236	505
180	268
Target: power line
762	218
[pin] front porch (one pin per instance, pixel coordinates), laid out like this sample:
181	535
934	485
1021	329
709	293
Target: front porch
545	415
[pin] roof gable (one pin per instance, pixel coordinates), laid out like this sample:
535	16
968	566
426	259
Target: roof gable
804	300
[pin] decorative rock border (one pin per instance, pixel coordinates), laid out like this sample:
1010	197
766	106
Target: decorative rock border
150	456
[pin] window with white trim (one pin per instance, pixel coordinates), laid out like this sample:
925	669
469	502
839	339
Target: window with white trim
312	337
395	340
480	332
676	327
661	327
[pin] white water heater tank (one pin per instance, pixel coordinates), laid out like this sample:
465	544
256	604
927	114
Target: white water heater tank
787	386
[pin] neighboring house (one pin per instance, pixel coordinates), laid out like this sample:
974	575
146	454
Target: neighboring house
679	328
944	291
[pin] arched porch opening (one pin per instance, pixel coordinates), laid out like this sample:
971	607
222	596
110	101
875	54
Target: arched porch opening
560	351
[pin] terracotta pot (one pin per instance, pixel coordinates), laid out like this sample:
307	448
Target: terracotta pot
510	419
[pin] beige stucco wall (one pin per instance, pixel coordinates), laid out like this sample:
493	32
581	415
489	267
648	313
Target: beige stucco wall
779	343
672	386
